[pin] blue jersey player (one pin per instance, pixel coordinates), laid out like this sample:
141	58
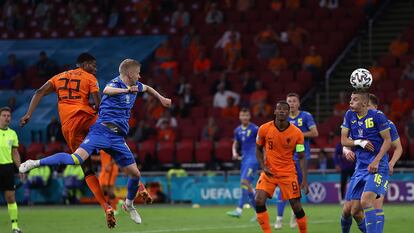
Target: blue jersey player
368	131
245	139
356	211
109	131
304	121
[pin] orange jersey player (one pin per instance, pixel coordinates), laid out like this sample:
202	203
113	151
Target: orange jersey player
73	88
277	141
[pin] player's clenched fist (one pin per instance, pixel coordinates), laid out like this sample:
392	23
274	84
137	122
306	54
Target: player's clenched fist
24	120
133	89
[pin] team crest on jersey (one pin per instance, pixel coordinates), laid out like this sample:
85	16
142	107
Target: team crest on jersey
86	140
10	142
360	123
288	140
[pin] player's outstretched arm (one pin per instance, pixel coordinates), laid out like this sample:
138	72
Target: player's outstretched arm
115	91
46	89
166	102
396	144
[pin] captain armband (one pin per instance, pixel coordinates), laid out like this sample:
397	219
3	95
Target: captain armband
300	148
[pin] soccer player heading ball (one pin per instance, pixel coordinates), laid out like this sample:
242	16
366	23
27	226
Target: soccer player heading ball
110	129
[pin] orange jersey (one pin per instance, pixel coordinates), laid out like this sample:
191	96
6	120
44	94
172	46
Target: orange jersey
73	88
279	147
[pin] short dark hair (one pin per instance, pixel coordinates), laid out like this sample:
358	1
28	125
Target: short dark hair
374	99
85	57
5	109
293	94
282	102
245	110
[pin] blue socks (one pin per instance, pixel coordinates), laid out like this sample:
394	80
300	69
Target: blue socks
346	224
244	196
380	220
61	158
132	188
370	220
362	227
252	201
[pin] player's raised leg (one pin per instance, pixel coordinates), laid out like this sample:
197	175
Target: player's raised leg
61	158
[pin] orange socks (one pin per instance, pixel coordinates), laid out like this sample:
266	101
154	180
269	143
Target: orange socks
263	220
302	224
94	186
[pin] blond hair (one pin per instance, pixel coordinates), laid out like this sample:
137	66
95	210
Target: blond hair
127	64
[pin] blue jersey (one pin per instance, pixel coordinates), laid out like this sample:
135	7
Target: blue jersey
116	109
367	127
246	137
304	121
393	131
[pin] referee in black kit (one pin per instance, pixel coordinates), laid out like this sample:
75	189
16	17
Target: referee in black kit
9	158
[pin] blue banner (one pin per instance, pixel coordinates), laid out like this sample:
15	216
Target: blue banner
225	190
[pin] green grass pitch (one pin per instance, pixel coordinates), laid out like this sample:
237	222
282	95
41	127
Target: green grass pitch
183	218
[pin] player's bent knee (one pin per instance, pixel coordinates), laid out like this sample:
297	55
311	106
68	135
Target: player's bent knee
346	211
299	214
260	209
378	203
260	201
245	184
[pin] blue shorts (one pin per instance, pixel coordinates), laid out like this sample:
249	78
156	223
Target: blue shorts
102	138
362	181
248	171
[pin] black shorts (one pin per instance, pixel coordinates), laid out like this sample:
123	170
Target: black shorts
7	177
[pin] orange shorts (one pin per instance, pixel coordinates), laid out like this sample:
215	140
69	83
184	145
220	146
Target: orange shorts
288	185
109	170
76	130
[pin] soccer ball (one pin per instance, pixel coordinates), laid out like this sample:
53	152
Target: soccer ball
361	78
